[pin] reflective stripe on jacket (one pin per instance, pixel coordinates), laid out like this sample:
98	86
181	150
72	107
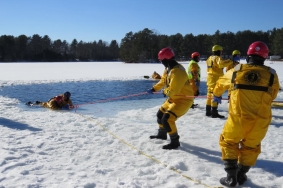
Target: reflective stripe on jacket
193	71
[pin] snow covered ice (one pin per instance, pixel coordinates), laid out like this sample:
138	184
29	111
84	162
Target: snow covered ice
106	144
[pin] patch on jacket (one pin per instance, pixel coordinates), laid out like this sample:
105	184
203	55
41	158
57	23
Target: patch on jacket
252	77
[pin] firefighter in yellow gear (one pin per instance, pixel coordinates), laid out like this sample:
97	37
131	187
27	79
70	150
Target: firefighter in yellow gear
215	65
66	102
193	71
177	86
253	87
58	102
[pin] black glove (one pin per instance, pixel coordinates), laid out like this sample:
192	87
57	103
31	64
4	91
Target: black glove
162	91
150	91
197	93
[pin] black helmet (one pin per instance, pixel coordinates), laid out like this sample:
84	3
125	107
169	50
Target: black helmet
67	94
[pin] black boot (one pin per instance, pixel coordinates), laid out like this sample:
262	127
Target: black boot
29	103
162	134
37	102
174	142
208	110
214	113
231	169
241	176
194	106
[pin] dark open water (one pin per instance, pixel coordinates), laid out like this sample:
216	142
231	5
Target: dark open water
84	92
100	94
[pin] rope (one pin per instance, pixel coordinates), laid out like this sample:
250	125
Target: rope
146	155
109	99
112	99
143	93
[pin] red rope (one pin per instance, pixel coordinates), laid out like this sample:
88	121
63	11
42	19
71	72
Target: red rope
143	93
109	99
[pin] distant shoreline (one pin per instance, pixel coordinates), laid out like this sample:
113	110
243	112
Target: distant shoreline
267	60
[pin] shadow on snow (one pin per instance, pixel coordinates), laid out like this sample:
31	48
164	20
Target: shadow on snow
273	167
16	125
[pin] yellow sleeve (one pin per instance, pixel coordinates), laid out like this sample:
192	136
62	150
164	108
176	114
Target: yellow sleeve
223	83
70	102
224	63
161	82
229	67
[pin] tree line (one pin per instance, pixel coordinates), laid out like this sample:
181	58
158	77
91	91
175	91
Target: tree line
43	49
142	46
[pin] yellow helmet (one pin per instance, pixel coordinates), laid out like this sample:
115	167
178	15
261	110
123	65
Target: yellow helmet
236	52
216	48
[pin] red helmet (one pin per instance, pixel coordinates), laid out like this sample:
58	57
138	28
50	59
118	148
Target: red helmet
195	54
166	53
258	48
59	99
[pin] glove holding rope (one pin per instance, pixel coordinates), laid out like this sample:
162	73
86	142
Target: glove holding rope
150	91
162	91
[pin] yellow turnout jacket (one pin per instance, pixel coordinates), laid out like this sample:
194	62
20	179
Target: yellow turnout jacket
253	88
176	84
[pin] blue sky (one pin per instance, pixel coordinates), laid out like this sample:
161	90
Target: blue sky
92	20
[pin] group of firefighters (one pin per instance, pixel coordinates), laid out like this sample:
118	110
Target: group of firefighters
251	88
